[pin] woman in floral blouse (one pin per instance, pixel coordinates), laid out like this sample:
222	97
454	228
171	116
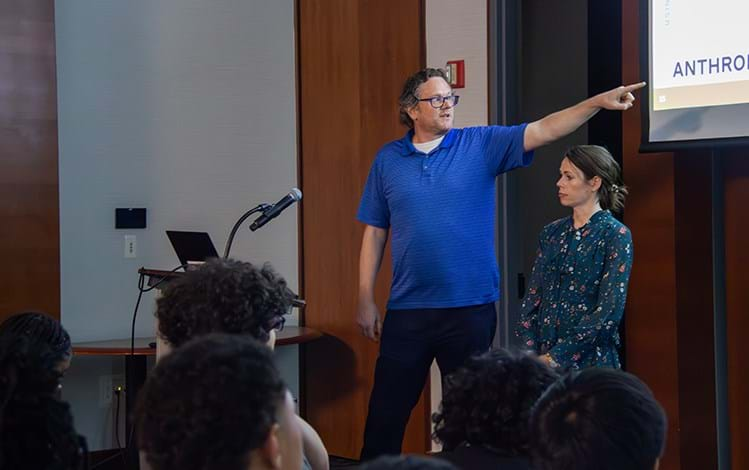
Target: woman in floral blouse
575	301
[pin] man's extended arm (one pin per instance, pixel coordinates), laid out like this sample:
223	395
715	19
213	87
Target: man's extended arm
559	124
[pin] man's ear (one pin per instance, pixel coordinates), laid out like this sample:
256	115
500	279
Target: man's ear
271	449
412	113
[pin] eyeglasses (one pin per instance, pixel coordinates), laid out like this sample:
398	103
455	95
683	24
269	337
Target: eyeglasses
439	101
277	323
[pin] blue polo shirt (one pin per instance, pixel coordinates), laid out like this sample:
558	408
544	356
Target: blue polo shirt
440	209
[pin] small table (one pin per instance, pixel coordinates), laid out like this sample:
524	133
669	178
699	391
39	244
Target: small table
135	364
121	347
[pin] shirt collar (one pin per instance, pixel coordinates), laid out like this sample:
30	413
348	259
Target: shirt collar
594	219
407	147
597	216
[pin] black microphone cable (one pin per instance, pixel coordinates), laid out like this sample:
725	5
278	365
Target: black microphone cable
141	290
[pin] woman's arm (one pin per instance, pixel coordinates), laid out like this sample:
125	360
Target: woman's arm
527	328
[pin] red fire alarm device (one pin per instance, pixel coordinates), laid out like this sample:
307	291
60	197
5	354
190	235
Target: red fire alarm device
456	73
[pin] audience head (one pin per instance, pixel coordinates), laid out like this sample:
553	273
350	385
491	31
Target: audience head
598	418
596	170
41	328
218	402
488	402
407	462
36	427
223	296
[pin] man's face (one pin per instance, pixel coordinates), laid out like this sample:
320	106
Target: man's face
427	119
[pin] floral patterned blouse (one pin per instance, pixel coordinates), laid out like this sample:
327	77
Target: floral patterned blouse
577	292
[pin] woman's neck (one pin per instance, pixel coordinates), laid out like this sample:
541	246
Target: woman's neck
582	214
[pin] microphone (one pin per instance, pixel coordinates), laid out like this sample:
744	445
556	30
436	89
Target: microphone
294	195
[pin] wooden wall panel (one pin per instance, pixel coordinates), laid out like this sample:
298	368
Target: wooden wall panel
695	330
652	352
353	59
736	184
29	238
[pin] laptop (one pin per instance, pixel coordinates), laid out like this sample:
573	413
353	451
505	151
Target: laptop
192	247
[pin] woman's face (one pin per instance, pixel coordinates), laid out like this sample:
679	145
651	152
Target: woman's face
574	189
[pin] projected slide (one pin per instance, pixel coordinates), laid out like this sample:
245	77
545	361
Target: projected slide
700	53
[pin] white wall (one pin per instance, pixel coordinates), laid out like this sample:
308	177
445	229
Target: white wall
458	29
186	108
555	44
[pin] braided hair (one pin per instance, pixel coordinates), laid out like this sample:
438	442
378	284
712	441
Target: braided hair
41	328
36	426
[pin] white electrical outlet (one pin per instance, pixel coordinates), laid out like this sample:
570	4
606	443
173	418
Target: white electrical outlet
105	390
107	385
131	248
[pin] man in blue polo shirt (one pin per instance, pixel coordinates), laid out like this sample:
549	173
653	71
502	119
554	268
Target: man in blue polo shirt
433	192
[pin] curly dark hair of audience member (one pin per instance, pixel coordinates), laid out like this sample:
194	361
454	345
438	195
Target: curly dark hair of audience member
39	327
597	418
36	427
407	462
488	402
208	404
222	296
409	97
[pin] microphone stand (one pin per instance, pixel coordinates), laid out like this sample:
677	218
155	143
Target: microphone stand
295	301
258	208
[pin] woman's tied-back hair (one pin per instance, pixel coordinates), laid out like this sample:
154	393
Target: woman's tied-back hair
594	160
488	402
409	98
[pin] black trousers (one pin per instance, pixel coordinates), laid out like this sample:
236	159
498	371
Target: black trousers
411	340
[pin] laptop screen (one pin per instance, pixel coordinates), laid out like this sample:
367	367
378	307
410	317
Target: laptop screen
192	246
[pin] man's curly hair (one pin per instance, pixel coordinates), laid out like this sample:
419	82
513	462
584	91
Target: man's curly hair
208	404
488	402
222	296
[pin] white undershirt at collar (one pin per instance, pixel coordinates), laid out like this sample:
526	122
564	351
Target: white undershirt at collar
426	147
